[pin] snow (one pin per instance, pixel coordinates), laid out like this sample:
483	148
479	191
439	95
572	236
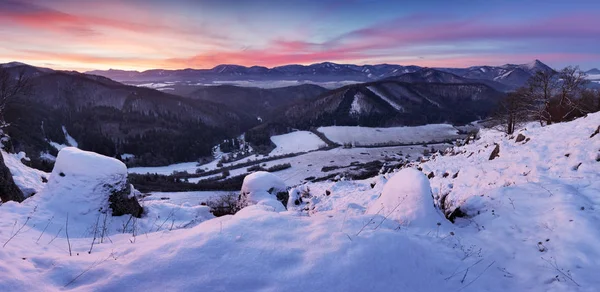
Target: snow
395	135
260	188
70	140
532	225
72	161
355	107
29	180
593	76
407	198
294	142
126	156
386	99
180	198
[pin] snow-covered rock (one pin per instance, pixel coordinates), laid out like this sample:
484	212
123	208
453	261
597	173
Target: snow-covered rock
407	198
261	188
84	182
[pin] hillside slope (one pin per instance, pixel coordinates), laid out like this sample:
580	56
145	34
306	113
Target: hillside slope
110	118
529	223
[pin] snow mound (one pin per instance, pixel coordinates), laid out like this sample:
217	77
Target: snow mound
407	198
260	188
72	161
294	142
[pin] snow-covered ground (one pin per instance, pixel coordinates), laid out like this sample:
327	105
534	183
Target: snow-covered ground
295	142
366	136
531	225
593	76
180	198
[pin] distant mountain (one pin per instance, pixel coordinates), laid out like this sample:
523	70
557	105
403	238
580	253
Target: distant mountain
510	75
429	75
257	102
322	72
110	118
593	72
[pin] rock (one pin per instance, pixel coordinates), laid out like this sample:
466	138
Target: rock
595	132
520	138
8	189
495	152
83	181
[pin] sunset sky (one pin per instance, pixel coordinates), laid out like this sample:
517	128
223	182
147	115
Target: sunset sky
144	34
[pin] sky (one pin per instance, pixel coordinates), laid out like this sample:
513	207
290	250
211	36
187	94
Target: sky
145	34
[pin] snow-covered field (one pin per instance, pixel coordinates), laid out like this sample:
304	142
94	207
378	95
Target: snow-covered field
366	136
531	225
593	76
180	198
295	142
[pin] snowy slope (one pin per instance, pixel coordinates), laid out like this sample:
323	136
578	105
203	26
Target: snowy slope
294	142
366	136
29	180
532	225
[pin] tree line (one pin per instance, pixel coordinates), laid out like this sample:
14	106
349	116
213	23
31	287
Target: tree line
548	97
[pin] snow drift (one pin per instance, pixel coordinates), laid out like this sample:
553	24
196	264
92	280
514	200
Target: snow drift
407	198
261	188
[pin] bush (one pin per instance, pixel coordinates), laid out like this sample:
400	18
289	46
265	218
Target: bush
225	173
224	205
255	168
279	167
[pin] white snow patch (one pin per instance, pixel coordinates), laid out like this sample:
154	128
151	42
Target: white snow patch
294	142
395	135
70	140
386	99
126	156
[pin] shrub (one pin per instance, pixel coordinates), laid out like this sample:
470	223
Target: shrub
225	173
279	167
255	168
223	205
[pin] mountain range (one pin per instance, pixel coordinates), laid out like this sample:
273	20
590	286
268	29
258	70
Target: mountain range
510	75
184	122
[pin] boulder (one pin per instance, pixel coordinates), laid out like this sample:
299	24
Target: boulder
8	189
83	181
495	153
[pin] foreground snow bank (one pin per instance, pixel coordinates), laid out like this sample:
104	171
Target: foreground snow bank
407	198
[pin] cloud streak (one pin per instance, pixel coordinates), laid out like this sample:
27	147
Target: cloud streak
144	36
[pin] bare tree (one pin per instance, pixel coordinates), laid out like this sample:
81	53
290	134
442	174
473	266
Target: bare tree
571	87
541	87
513	110
12	86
